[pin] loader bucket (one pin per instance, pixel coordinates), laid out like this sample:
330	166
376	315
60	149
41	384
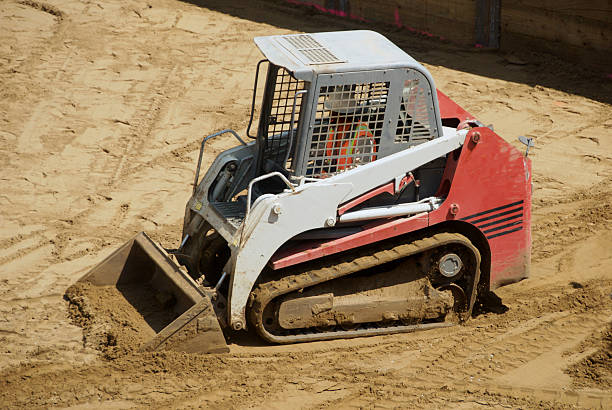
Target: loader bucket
143	272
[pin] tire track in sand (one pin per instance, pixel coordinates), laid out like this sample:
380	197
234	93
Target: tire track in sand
495	356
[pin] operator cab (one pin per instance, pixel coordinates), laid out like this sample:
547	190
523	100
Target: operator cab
334	101
331	102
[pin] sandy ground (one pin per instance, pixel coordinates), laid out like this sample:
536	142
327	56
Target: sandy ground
102	108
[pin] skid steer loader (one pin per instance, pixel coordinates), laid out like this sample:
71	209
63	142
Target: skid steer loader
365	203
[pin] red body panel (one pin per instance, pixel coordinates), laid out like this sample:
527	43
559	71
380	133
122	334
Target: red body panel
389	188
450	109
487	187
374	232
491	189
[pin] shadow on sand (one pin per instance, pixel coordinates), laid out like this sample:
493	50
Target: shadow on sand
534	68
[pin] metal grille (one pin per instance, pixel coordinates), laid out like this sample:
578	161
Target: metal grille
414	125
349	122
279	118
311	49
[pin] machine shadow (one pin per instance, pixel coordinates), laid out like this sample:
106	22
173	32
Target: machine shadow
539	68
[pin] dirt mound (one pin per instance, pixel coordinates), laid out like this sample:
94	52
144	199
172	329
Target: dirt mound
115	320
596	369
582	297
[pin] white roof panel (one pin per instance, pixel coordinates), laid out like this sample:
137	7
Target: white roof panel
337	51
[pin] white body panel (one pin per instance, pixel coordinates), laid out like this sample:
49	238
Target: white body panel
308	208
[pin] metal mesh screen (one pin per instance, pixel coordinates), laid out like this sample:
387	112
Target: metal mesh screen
414	125
349	122
279	119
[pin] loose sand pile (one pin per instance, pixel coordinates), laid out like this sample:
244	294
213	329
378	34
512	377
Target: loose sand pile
103	106
117	321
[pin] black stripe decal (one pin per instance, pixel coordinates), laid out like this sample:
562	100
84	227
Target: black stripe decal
488	218
499	208
518	215
498	228
504	233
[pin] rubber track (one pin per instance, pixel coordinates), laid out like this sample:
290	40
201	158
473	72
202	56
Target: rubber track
320	271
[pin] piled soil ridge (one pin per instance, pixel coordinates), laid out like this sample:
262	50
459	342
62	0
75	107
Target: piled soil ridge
113	323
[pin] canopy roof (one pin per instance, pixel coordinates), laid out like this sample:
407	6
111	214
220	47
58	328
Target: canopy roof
305	55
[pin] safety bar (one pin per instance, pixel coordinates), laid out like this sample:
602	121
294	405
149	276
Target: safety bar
295	96
253	102
260	178
216	134
301	180
250	190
